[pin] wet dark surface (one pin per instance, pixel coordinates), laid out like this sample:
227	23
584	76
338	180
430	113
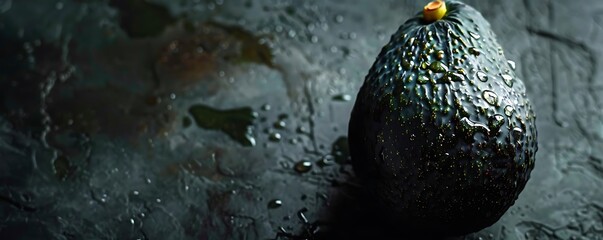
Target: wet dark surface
101	138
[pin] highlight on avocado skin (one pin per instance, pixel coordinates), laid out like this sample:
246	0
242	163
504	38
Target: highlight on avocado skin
442	131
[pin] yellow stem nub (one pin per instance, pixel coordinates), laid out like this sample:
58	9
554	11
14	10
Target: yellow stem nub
434	11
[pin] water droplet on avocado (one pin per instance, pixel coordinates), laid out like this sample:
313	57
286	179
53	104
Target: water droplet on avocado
266	107
275	137
440	55
500	51
236	123
482	76
407	65
302	130
470	127
509	110
460	71
496	121
303	166
511	64
424	65
423	79
455	77
474	35
517	133
474	51
342	97
281	124
275	203
438	67
451	77
490	97
508	79
326	160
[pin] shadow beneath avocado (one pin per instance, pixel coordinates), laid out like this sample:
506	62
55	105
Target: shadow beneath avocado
355	216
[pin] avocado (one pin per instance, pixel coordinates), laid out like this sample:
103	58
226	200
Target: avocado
442	132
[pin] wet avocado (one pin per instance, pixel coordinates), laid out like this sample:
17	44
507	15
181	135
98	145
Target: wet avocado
442	132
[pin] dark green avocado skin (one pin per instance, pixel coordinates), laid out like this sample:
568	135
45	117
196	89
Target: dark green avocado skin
442	132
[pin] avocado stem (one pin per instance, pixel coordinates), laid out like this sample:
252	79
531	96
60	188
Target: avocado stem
433	11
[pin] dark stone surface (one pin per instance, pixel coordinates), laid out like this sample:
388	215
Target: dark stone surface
97	142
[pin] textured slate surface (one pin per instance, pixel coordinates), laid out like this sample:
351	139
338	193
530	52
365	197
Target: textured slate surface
94	143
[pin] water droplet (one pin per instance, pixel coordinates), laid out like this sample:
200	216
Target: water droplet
303	166
482	76
440	55
342	97
408	65
490	97
508	79
474	35
352	35
470	127
266	107
275	203
302	130
411	41
511	64
438	67
457	77
291	33
509	110
326	160
422	79
496	121
451	77
280	124
474	51
424	65
275	137
302	216
517	133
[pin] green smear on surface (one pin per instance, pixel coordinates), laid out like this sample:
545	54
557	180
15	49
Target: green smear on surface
236	123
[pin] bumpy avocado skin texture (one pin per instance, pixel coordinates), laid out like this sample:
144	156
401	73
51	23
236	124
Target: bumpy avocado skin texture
442	131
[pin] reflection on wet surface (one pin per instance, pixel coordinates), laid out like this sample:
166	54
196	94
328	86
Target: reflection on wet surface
163	119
